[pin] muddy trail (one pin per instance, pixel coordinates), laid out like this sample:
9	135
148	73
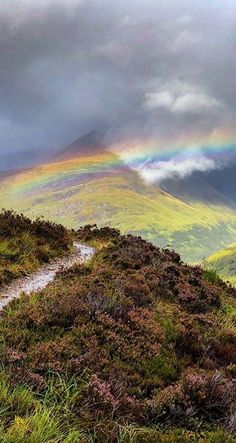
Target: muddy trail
46	274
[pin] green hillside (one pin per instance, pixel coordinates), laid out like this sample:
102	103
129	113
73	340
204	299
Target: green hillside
224	262
99	188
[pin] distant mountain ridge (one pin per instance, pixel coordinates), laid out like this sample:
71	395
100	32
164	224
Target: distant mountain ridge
224	180
216	187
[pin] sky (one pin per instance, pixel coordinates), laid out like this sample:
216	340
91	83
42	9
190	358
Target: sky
155	75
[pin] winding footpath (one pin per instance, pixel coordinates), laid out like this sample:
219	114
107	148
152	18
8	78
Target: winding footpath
45	275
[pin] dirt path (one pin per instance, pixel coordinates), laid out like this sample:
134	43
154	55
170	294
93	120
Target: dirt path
46	274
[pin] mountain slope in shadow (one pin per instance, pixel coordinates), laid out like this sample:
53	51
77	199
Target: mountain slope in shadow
213	187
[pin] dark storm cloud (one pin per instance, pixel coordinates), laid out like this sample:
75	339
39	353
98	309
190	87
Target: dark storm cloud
160	67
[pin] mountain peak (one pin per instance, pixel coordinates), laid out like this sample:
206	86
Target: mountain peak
87	144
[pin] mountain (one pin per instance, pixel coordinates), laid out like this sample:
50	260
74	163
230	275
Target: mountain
224	263
89	144
224	180
133	346
86	184
214	187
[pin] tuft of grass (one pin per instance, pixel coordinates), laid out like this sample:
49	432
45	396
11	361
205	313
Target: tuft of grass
30	418
211	275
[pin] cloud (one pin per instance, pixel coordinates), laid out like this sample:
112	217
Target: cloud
163	99
139	68
196	102
189	102
183	99
177	167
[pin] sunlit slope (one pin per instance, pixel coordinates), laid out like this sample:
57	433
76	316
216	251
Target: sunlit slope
224	262
100	189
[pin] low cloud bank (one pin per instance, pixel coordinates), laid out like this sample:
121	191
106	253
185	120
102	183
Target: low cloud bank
157	171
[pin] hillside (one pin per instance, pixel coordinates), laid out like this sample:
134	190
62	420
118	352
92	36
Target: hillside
224	263
224	180
91	185
26	245
133	347
204	187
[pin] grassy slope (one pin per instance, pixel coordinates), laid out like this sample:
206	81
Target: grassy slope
135	347
98	189
25	245
224	262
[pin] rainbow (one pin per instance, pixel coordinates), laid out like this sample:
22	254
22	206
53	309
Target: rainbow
68	172
219	146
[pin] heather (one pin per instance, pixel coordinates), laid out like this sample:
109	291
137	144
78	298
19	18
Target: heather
26	244
134	346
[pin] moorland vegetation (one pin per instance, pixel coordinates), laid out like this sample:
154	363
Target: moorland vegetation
134	346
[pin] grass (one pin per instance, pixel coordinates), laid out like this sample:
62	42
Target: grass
211	275
27	417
